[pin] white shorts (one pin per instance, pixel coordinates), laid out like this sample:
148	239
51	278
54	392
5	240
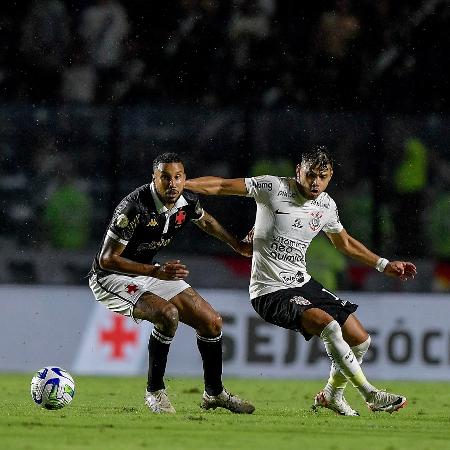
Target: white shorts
120	293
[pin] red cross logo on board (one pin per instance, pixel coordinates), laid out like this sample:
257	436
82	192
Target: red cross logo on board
180	217
118	337
131	288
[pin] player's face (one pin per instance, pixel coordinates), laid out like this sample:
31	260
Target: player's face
313	180
169	179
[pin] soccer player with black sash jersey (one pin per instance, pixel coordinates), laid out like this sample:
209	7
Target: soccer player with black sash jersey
125	279
290	213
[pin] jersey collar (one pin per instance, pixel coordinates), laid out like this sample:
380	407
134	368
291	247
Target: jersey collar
163	209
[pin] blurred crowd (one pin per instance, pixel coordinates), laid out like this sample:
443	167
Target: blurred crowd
323	54
93	90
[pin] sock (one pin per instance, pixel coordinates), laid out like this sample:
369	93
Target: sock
343	358
211	353
337	380
158	348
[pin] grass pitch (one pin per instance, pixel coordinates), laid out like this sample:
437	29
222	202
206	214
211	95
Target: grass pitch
108	413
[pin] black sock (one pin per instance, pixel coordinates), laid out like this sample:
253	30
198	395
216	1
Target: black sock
158	348
211	352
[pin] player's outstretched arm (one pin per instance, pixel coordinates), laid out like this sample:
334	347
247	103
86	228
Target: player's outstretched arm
217	186
211	226
350	246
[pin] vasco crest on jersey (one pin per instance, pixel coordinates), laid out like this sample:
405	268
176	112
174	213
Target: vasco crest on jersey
180	218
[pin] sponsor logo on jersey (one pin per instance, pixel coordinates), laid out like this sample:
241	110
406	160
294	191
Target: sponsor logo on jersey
286	194
153	245
280	212
264	185
290	277
322	203
314	223
152	223
297	224
282	252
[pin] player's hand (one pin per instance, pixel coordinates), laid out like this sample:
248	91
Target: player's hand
401	269
244	248
171	271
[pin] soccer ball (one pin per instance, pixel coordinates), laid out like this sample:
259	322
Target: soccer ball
52	388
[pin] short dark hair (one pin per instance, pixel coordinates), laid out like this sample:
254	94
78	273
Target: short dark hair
317	157
166	158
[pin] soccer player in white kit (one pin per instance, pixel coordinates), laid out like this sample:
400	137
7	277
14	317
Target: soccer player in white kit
290	213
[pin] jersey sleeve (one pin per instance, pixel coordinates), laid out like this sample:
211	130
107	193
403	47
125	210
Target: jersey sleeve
261	188
124	221
333	225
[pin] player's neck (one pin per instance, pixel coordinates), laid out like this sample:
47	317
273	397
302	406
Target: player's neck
301	190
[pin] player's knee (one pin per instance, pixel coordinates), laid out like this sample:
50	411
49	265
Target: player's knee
314	321
168	318
331	332
212	327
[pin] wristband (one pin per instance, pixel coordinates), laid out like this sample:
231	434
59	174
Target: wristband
381	264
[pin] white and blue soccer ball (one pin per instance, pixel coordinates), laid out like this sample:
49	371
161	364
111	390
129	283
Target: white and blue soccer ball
52	388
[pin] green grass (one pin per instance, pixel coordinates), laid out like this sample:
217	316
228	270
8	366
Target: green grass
108	413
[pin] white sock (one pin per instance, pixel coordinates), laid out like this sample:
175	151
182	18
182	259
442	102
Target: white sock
337	381
343	358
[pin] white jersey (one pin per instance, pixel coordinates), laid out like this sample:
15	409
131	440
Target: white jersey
285	225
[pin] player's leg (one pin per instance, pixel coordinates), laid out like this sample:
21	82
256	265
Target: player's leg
332	395
318	322
196	312
134	297
355	334
164	316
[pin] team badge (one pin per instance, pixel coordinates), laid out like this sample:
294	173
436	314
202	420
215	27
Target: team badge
299	300
131	288
314	223
180	217
122	221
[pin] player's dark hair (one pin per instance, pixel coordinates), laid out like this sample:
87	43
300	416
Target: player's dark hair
166	158
317	157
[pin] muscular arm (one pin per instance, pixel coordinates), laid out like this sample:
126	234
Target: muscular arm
350	246
211	226
111	259
217	186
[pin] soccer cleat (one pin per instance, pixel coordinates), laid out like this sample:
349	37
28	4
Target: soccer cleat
384	401
158	402
339	406
228	401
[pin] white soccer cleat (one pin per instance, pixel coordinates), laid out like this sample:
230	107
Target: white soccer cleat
228	401
384	401
158	402
339	406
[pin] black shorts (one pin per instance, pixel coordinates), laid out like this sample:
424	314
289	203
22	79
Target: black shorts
285	307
